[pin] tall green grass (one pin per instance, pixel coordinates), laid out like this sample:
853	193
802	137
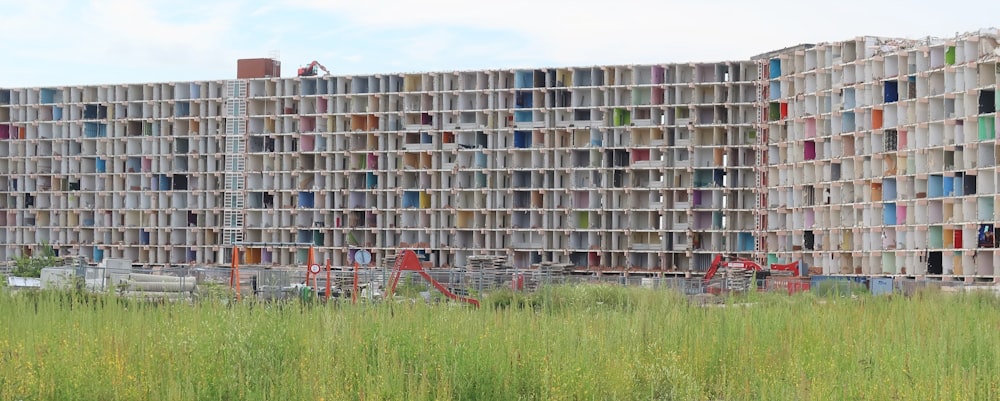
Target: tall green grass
563	343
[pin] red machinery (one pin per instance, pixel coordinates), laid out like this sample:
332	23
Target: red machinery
407	261
311	69
747	264
234	272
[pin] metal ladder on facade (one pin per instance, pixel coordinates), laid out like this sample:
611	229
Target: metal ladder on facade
235	158
760	212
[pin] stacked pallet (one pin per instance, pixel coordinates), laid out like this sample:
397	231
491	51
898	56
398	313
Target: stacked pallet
487	262
549	267
389	261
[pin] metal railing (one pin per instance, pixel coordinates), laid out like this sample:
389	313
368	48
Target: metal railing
270	283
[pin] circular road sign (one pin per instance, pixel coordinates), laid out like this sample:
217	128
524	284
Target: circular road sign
314	269
363	257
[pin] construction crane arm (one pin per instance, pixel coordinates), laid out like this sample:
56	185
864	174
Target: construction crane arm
322	68
310	69
788	267
408	261
738	263
714	268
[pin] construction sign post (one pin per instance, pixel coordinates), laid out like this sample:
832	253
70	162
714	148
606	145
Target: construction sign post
362	257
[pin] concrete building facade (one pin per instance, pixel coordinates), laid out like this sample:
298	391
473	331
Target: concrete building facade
882	156
867	156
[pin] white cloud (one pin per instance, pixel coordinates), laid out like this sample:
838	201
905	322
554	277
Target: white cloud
64	41
262	11
597	31
143	32
102	41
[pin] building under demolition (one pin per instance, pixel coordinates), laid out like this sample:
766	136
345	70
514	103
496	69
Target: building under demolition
869	156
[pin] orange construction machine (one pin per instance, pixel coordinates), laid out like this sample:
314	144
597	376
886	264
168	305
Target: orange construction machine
749	265
312	69
407	261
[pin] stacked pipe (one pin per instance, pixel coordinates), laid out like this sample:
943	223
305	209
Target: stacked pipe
153	286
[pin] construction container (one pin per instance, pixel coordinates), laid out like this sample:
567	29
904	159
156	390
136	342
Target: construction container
880	285
787	285
57	277
842	285
248	68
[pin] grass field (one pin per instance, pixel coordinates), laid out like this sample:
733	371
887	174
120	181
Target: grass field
564	343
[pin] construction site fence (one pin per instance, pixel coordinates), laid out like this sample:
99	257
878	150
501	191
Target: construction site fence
276	283
465	282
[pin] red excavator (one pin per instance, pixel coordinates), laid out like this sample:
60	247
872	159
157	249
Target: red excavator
407	261
312	69
740	271
749	265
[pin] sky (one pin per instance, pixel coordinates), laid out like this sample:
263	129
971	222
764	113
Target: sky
83	42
